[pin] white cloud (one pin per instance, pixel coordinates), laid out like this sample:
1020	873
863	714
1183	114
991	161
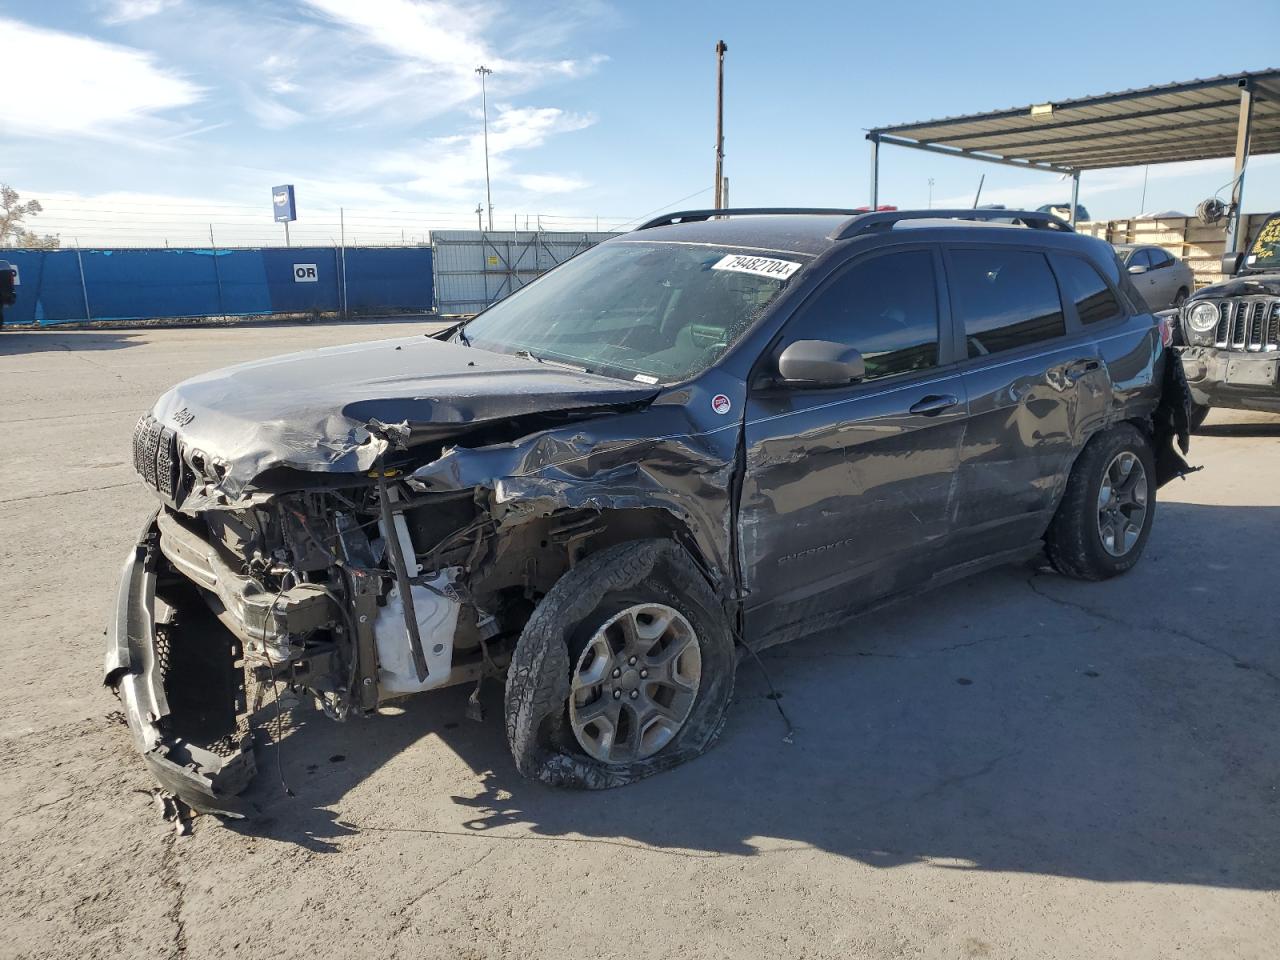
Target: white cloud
452	168
548	183
85	87
430	32
126	11
272	113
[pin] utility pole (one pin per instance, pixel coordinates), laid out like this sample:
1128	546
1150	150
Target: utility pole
484	107
721	47
931	193
479	222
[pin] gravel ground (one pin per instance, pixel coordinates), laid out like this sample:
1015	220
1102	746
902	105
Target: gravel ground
1016	766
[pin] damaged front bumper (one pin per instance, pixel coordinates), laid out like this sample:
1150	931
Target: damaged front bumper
205	776
1242	380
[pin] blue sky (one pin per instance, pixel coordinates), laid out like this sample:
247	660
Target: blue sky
134	120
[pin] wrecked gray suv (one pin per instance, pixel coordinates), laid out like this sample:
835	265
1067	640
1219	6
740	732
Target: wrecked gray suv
721	430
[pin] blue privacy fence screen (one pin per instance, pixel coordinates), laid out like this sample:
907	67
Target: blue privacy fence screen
60	286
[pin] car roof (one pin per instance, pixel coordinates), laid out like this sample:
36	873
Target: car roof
795	233
811	233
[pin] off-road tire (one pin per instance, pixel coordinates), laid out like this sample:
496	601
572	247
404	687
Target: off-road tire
1072	541
537	693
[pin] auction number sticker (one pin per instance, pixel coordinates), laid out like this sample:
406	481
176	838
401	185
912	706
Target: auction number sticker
760	266
721	404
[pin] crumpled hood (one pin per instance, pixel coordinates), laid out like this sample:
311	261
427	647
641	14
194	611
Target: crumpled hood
309	410
1258	285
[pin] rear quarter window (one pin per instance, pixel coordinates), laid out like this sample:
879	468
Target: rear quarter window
1085	287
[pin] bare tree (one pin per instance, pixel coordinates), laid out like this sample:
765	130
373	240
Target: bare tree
13	213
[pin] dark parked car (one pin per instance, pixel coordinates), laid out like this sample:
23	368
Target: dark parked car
1163	280
702	434
1231	331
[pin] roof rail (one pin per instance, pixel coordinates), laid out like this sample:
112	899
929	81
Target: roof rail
884	220
691	216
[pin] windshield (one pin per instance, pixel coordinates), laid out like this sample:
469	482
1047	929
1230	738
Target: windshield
1265	252
654	312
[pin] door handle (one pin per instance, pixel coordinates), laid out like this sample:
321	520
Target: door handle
933	405
1079	368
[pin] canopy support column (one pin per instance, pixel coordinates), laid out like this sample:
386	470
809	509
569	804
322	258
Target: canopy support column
1244	130
1075	196
875	170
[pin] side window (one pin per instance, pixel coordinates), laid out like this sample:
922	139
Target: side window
1084	285
1159	258
887	307
1005	298
1140	258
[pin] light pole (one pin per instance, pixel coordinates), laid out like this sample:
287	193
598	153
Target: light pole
484	107
931	193
721	48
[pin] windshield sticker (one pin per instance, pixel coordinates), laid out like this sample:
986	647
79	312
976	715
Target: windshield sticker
721	404
645	378
760	266
1264	247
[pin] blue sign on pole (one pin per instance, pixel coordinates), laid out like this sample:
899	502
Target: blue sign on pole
283	204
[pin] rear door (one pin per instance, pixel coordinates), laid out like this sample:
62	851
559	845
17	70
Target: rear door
1035	382
847	491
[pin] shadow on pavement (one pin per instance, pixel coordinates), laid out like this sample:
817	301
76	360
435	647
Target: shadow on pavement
1014	722
18	342
1253	428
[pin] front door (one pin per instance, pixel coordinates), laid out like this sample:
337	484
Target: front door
847	490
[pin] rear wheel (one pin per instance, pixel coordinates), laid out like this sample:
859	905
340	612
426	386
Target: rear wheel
1103	522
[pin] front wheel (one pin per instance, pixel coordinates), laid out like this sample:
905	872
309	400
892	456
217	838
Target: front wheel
625	669
1105	516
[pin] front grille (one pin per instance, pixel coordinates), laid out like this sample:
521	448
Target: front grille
1248	323
155	456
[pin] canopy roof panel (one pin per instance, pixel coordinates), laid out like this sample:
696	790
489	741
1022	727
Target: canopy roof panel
1194	120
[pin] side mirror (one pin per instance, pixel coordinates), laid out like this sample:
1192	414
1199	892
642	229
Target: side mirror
1137	268
1231	262
820	363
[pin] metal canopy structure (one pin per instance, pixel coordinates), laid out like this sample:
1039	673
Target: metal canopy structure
1230	115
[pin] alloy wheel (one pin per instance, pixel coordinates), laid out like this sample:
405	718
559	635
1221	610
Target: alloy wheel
635	683
1122	503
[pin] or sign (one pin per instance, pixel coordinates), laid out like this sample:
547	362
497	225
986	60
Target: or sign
283	204
305	273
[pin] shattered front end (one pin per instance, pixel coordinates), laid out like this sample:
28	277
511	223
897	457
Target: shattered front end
321	592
